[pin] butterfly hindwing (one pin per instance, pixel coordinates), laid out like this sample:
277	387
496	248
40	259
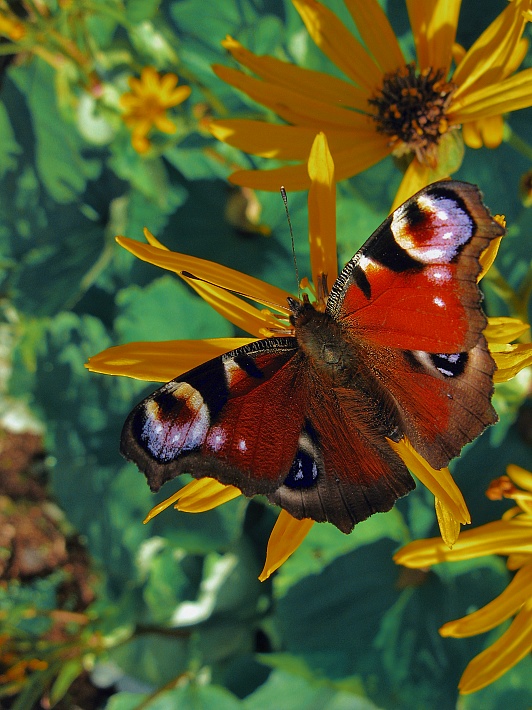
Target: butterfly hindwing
344	470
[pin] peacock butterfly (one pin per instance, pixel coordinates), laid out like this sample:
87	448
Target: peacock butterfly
304	419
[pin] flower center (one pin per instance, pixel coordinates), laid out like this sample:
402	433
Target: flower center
410	108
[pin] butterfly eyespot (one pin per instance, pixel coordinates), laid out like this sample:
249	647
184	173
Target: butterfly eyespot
303	471
166	433
450	365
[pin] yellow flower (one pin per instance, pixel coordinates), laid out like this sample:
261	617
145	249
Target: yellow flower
146	104
11	27
510	536
385	104
218	285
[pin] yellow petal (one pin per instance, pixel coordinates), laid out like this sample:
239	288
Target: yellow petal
434	25
236	310
518	560
291	105
139	141
502	655
153	240
205	494
292	177
518	591
168	83
160	361
270	140
502	329
518	55
415	178
448	158
372	148
486	61
508	95
440	483
206	491
334	40
501	537
222	276
449	526
488	255
491	131
164	504
520	476
510	359
322	212
313	84
149	77
177	96
471	135
377	33
287	535
164	124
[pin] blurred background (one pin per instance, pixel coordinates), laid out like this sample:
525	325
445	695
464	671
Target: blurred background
98	610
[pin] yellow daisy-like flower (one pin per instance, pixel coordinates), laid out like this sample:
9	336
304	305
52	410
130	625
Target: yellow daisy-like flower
511	536
147	102
385	104
162	362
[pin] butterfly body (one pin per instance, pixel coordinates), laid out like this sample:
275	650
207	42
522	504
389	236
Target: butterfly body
305	419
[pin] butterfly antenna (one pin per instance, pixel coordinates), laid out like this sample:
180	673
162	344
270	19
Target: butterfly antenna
285	200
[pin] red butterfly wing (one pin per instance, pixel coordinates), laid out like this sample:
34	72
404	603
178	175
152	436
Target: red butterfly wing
236	418
409	302
413	285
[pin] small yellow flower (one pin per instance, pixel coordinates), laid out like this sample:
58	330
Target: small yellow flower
511	536
162	362
146	104
11	27
385	104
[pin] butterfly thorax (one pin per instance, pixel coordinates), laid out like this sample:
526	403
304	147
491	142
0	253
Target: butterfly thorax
321	339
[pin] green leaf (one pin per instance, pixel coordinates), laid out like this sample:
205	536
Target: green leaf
9	148
153	658
304	690
191	697
147	175
325	543
59	150
196	163
66	676
168	583
141	10
204	532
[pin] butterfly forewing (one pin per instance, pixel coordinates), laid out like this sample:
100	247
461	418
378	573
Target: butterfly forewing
236	418
413	284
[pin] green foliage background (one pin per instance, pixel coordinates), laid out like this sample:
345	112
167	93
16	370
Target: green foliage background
337	627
